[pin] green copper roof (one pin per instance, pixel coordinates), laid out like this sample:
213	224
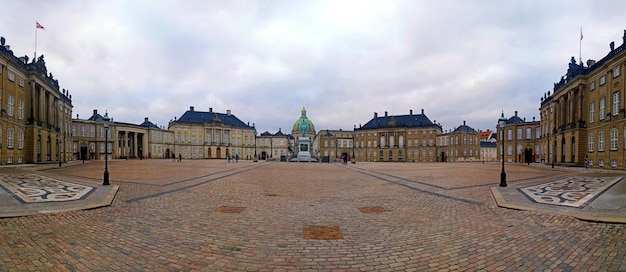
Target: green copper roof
310	128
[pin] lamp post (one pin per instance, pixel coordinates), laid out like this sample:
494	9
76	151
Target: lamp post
336	147
271	148
255	156
106	120
353	134
502	123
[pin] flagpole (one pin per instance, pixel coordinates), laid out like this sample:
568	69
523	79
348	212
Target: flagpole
580	45
35	57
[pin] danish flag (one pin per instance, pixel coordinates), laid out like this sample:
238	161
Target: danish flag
39	26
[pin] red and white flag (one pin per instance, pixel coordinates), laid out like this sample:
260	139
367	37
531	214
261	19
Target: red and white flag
37	25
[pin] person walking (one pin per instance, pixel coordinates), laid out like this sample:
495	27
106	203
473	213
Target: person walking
180	157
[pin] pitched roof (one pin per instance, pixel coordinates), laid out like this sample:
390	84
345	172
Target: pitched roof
192	116
391	121
464	128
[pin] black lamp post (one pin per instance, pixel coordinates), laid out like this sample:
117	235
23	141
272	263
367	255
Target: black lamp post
502	123
353	134
336	147
255	156
271	148
106	120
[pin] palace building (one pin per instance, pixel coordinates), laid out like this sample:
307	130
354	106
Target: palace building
410	137
460	145
583	119
212	135
35	114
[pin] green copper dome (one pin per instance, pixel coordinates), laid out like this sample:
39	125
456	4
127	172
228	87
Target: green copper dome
297	126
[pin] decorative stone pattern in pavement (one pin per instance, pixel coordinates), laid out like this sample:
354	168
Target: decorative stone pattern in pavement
322	232
373	209
428	226
572	191
33	188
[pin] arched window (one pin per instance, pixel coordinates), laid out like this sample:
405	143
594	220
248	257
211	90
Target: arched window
399	154
390	155
381	155
401	141
392	141
382	141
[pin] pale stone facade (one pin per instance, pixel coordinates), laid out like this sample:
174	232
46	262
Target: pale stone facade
35	114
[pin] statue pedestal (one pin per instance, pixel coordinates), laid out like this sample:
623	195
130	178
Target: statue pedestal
304	150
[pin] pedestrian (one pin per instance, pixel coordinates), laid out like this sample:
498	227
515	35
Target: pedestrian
236	157
180	157
228	157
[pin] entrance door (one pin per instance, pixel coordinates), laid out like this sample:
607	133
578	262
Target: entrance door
219	153
83	153
208	153
528	155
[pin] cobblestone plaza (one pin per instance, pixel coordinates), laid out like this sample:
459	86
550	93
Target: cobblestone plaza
209	215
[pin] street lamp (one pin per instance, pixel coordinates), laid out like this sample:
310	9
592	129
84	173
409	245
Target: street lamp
502	123
336	147
255	156
271	148
353	134
106	120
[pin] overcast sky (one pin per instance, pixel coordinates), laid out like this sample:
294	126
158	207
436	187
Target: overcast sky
342	60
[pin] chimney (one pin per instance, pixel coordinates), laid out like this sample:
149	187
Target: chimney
411	112
228	112
95	112
515	113
376	115
145	119
191	108
385	113
210	109
464	123
533	118
422	111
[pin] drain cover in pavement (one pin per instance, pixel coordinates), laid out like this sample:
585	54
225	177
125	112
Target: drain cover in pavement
373	209
230	209
322	232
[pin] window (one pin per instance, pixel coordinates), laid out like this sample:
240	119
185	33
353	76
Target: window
509	150
21	82
20	139
509	135
616	71
20	109
601	141
592	112
83	132
10	138
590	142
382	141
602	80
614	139
102	132
613	163
10	105
615	103
602	104
11	76
537	132
92	131
519	133
592	86
601	163
529	133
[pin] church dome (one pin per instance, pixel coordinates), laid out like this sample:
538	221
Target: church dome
297	126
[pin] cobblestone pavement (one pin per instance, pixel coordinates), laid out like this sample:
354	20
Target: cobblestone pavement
215	216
